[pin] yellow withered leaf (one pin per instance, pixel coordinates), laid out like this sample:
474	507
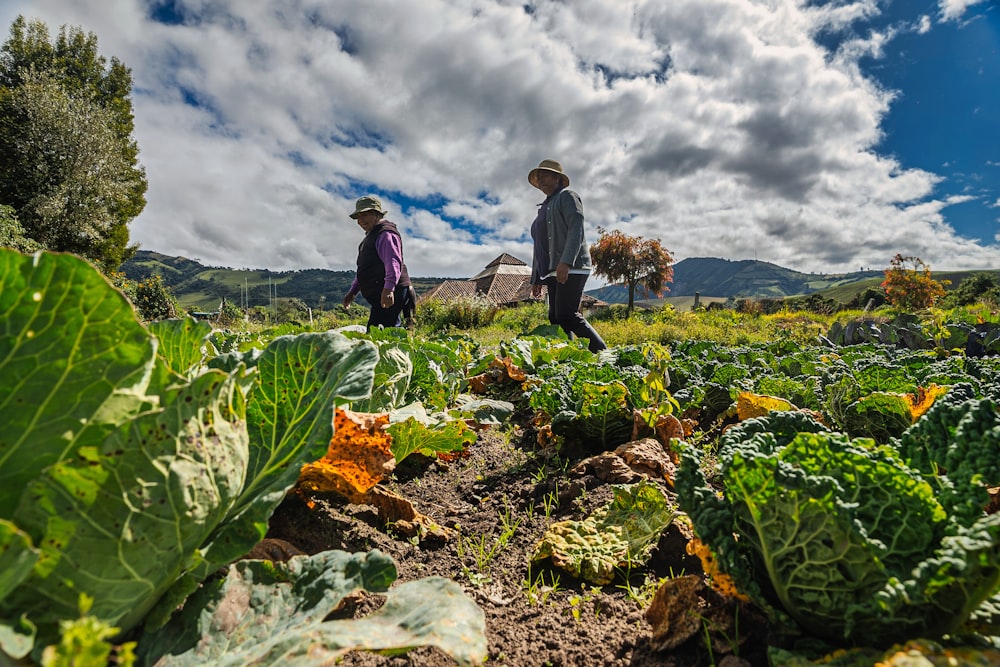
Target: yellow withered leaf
923	398
359	456
750	405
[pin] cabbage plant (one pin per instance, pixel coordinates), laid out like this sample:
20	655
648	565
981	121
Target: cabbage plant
840	538
131	470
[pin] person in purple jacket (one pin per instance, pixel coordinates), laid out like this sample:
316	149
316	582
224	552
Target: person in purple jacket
382	277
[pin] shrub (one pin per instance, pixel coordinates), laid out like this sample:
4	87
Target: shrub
151	299
465	312
908	284
12	233
979	287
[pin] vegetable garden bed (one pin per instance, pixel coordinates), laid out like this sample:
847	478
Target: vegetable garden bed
427	502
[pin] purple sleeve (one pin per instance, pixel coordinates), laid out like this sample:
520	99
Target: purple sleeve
390	251
355	287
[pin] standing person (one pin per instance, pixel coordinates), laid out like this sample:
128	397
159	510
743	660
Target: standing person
382	276
561	259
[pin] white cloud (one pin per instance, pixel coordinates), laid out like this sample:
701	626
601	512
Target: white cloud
952	10
721	127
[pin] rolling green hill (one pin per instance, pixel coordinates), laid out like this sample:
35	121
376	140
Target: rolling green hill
198	287
723	278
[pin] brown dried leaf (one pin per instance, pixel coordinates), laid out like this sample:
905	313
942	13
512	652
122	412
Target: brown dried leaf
397	510
676	612
685	607
648	457
479	383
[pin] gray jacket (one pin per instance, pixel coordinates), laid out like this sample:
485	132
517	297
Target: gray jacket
564	222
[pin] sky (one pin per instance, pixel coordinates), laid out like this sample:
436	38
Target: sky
822	136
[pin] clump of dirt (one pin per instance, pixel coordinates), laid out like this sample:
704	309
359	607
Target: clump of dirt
494	504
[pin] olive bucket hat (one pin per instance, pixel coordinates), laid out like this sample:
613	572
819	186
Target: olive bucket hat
367	203
548	165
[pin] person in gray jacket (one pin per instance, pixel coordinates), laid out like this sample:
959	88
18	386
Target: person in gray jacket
561	259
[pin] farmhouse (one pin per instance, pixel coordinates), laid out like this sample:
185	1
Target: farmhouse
505	281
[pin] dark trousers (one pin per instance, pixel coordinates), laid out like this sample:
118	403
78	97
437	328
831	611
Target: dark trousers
390	317
564	309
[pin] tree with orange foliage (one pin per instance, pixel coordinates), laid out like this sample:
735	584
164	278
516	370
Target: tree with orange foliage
908	284
633	261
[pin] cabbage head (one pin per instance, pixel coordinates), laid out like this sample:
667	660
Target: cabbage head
841	537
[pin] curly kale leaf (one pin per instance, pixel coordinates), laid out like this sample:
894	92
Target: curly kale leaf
841	536
784	425
957	444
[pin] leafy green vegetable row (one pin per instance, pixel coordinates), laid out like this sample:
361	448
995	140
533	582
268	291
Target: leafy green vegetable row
135	463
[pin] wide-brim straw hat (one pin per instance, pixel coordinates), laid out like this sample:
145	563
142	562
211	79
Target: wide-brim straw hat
367	203
547	165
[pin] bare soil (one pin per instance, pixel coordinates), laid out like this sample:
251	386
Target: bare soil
503	481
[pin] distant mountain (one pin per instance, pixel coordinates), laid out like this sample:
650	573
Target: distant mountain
199	287
747	278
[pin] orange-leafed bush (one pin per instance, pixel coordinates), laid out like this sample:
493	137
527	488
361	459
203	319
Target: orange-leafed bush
908	284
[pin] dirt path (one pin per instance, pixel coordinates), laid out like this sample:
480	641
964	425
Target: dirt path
496	504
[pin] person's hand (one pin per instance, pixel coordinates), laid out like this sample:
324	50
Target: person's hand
536	291
562	273
348	300
388	298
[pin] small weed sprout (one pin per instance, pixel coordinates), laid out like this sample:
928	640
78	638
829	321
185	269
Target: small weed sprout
509	523
483	549
539	475
529	510
708	627
537	590
550	503
577	601
643	594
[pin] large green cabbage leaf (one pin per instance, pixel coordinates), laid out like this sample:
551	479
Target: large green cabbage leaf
265	613
126	476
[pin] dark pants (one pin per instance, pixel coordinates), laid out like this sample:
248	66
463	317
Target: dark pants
564	309
390	317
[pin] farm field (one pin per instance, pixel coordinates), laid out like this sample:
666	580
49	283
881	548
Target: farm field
432	500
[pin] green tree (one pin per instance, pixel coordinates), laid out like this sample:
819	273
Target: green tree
633	261
979	287
12	233
908	284
68	162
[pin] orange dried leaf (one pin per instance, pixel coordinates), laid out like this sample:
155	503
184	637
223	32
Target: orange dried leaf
513	372
479	383
667	428
359	456
717	579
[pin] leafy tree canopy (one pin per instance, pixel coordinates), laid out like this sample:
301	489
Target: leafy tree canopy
908	284
12	233
634	261
68	162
